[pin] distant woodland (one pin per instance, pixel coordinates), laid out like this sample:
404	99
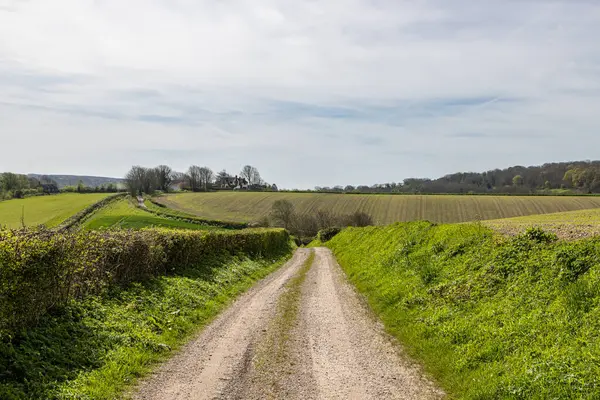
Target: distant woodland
580	177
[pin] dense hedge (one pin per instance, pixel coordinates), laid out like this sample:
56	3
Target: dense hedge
42	269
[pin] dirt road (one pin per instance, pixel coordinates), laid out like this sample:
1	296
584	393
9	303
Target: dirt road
301	333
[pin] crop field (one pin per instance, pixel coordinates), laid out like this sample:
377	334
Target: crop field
566	225
385	209
46	210
123	214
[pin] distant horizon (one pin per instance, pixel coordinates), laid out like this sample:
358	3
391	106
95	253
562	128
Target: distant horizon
331	185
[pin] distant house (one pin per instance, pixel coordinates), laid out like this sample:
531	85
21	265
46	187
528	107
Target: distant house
50	188
232	183
178	185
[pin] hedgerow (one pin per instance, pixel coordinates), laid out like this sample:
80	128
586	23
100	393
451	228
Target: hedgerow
77	218
43	269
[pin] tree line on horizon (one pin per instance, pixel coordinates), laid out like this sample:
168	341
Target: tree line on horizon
579	177
141	180
18	186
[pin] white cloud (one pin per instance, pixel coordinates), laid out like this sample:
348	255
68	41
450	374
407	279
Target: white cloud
313	93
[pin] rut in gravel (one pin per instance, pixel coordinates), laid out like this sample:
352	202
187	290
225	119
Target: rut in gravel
301	333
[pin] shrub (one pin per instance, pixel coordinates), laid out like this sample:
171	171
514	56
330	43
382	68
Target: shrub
327	234
538	235
43	269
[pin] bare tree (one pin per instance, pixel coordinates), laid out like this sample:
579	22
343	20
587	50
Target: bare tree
282	213
150	182
325	219
164	177
251	174
134	180
193	176
222	176
206	177
141	180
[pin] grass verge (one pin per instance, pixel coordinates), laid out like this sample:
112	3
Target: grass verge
272	355
489	317
97	348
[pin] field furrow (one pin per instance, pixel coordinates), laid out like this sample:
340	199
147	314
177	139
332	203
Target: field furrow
385	209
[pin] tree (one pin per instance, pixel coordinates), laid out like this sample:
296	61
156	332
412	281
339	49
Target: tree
150	181
282	213
251	174
134	180
9	181
206	177
193	176
517	180
164	177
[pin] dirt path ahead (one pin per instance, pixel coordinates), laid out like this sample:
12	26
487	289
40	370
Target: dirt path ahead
301	333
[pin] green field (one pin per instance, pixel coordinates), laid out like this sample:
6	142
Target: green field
385	209
46	210
123	214
567	225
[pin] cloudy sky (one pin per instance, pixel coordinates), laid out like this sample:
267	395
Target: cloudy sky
311	92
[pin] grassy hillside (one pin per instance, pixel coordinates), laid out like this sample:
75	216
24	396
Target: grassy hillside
123	214
47	210
567	225
385	209
511	319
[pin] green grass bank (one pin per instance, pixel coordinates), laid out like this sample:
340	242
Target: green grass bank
489	317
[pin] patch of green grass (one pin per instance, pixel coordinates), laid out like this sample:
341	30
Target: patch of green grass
384	208
45	210
123	214
98	348
489	317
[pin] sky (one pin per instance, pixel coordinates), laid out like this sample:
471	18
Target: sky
311	92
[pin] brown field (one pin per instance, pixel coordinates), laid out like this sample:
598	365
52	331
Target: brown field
385	209
567	225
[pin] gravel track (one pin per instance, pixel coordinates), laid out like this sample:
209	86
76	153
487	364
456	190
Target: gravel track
334	347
